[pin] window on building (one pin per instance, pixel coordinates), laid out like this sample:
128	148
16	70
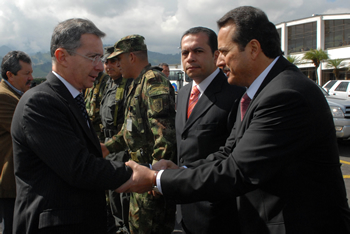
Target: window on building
279	30
337	33
302	37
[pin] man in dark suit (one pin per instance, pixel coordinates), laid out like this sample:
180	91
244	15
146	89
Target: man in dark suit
283	160
207	127
60	173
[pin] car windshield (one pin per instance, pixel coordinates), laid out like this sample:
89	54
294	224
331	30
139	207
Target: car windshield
324	91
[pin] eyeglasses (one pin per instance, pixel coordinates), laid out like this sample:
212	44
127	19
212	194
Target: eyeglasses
95	60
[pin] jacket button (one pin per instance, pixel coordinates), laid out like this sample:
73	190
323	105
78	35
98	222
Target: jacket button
182	160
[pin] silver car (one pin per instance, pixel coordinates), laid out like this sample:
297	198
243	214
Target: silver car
340	109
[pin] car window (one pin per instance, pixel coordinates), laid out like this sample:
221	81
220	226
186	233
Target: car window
330	84
342	87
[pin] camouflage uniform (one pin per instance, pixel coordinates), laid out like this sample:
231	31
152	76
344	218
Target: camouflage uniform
112	122
93	97
149	134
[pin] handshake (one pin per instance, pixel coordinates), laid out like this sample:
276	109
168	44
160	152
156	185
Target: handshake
143	179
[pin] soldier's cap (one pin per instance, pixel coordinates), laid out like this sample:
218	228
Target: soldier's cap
107	52
127	44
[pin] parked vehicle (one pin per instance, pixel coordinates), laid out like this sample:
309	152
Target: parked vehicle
178	79
339	88
340	108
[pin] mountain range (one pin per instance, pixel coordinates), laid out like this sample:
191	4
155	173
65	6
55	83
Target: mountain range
41	62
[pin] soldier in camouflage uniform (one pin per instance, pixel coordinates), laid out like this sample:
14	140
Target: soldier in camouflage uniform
148	130
93	97
112	117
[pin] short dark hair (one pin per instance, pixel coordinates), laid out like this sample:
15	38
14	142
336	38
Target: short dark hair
252	23
10	62
67	34
212	37
163	64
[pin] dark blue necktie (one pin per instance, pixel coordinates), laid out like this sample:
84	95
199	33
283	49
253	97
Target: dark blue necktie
81	104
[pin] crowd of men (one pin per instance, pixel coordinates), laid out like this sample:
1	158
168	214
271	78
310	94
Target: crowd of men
100	148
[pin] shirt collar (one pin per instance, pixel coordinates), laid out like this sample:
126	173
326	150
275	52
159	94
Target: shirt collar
16	90
70	87
206	82
253	88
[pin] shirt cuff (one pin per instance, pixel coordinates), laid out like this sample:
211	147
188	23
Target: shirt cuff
159	187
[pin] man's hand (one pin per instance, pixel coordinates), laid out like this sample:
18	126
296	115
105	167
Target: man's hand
164	164
140	181
104	149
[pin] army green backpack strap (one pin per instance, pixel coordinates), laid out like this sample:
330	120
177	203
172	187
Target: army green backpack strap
118	97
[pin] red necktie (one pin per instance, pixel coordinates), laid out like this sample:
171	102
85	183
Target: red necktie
244	104
193	100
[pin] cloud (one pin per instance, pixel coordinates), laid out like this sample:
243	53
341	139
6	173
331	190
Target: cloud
28	25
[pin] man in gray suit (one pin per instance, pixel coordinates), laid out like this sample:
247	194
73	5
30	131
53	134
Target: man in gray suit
60	173
207	127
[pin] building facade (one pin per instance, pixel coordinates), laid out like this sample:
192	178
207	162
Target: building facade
330	33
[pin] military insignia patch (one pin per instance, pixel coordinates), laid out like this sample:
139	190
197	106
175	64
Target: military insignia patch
158	105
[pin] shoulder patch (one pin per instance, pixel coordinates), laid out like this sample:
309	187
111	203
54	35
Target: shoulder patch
149	75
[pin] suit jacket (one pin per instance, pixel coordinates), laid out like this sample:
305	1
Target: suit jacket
8	102
60	173
283	162
207	128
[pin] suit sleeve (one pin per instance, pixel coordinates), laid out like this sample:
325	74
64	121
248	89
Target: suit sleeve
270	142
58	142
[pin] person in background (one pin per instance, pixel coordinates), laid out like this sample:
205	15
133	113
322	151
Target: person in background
93	97
112	117
202	126
165	68
148	130
16	71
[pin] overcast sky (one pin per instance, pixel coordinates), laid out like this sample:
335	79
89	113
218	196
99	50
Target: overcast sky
27	25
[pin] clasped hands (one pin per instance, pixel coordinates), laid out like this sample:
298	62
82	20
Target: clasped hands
143	178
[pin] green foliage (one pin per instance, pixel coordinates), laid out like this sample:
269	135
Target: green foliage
335	64
293	59
316	56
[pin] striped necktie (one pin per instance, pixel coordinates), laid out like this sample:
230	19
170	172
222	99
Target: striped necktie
81	103
193	100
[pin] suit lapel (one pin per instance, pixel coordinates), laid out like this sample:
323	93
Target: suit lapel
279	66
207	99
65	95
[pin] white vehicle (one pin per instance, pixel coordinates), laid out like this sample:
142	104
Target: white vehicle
178	79
338	88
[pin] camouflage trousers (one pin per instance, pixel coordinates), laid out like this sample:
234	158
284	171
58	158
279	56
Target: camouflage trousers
151	215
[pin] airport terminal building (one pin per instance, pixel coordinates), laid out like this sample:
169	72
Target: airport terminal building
330	33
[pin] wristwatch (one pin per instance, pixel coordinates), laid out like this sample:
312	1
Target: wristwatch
154	182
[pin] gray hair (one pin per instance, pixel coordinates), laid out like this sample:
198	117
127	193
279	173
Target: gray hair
10	62
67	34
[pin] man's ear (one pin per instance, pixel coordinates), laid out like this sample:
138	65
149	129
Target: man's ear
61	56
254	48
216	56
10	77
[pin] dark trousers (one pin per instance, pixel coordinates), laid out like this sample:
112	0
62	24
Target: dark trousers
7	206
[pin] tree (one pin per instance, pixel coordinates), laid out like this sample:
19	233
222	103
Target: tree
335	64
316	56
293	59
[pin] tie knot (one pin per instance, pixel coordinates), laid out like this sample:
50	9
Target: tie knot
245	99
195	91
